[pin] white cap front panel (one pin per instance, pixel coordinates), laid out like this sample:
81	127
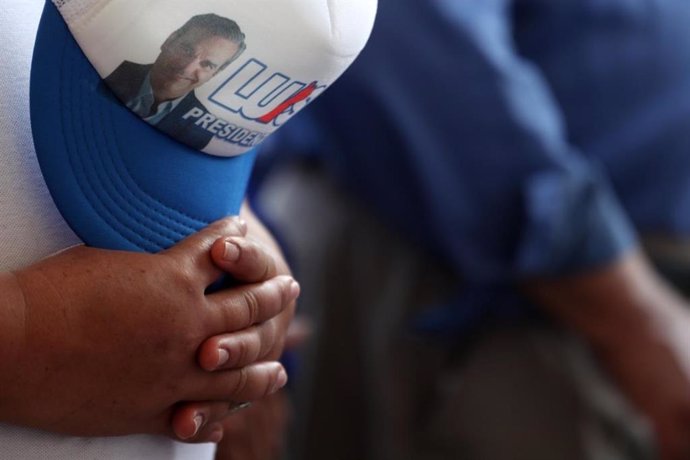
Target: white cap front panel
219	75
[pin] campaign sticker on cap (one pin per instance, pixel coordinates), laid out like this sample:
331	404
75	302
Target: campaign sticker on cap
218	75
145	113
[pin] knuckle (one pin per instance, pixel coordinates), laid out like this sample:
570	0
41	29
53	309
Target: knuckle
268	264
260	258
252	306
185	280
268	334
242	353
271	300
254	346
271	382
242	378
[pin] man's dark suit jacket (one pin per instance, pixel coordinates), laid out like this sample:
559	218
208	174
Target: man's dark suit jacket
125	82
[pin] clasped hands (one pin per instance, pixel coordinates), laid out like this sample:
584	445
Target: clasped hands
110	343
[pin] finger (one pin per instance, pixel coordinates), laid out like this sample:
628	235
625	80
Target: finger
194	251
196	422
249	383
232	351
244	259
238	308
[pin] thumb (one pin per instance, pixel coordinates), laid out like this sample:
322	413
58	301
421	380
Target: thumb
195	249
244	259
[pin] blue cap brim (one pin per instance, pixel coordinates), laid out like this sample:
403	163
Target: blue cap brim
118	182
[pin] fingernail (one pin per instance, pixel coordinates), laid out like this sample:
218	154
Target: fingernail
223	357
280	382
198	421
294	289
232	251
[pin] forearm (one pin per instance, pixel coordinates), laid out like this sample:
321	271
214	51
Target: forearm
638	328
12	326
612	305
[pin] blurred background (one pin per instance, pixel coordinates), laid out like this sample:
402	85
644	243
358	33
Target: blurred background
489	216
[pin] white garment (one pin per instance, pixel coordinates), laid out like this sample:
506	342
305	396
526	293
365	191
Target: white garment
32	228
30	225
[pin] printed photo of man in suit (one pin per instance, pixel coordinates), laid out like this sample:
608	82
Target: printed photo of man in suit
162	93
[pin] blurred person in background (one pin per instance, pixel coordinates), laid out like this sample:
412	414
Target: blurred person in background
472	211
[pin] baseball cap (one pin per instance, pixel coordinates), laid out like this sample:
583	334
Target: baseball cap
146	114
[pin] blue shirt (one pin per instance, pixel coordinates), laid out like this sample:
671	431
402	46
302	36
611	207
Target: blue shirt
514	138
